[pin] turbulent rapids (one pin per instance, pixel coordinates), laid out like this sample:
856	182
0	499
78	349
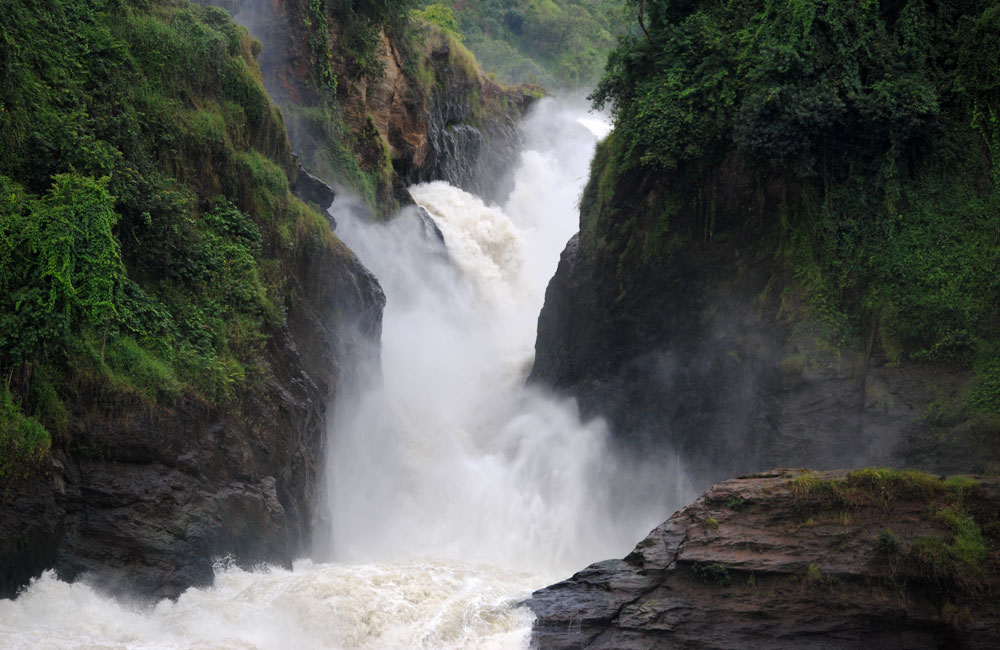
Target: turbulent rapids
452	491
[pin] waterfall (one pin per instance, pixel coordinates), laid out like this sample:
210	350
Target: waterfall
452	490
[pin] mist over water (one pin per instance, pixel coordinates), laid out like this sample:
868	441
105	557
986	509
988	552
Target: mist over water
453	456
452	491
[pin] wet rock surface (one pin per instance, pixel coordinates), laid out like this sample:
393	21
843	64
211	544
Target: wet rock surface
708	356
143	501
311	189
764	562
473	152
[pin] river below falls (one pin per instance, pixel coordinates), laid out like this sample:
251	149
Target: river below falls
452	491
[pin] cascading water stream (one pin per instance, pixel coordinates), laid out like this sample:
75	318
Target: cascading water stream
454	456
452	490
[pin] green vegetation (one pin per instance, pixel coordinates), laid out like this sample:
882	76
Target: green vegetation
555	43
439	15
804	483
332	112
887	543
794	364
880	487
959	561
863	141
950	566
145	216
317	23
425	36
716	573
738	504
348	155
342	144
361	23
331	154
23	440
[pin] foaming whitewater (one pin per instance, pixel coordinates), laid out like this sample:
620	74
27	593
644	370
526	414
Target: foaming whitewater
452	490
452	456
414	604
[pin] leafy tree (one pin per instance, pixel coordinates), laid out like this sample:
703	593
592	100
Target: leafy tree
555	42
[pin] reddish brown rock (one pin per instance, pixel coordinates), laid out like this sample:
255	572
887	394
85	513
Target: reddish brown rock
430	110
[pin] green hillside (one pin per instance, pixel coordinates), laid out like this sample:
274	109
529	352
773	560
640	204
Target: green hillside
555	43
145	215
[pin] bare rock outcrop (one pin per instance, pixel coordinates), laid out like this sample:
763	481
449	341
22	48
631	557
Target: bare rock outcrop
796	559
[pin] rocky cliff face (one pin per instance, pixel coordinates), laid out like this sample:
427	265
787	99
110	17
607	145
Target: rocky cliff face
428	113
143	498
698	341
146	489
793	559
143	501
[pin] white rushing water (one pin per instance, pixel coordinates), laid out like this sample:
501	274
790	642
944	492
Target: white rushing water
453	491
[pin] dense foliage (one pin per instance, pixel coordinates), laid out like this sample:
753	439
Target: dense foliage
556	43
441	16
879	120
144	209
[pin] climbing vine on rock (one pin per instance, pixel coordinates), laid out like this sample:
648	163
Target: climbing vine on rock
63	264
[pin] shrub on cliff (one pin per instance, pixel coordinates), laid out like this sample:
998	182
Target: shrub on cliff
61	265
23	440
440	15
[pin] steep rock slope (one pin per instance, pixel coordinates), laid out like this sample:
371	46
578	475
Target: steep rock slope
145	500
781	259
407	100
714	356
796	559
166	405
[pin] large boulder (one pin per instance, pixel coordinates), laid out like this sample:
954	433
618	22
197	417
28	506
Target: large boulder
797	559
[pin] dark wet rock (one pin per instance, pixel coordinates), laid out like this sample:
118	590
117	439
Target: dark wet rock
753	564
469	150
311	189
144	500
711	355
429	227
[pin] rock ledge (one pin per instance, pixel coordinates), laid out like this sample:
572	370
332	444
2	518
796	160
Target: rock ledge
795	559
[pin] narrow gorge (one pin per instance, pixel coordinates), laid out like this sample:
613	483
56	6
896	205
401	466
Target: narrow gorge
314	334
